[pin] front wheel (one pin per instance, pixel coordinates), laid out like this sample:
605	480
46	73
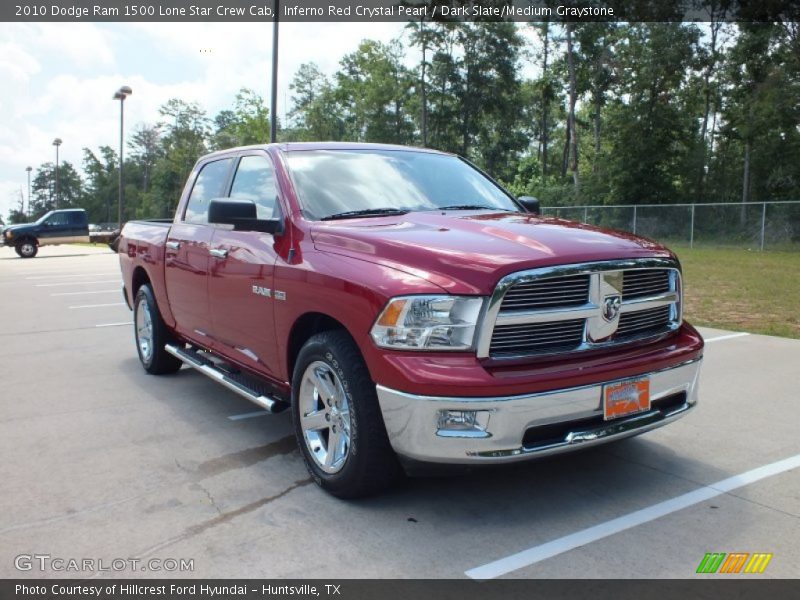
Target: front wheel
152	335
27	249
337	419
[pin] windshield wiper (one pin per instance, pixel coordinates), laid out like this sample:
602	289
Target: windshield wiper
466	207
365	212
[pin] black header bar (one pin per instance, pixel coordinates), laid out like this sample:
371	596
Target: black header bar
409	589
398	10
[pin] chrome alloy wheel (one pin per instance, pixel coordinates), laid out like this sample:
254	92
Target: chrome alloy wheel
324	416
27	249
144	331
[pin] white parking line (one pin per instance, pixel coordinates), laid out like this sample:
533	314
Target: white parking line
115	324
98	305
75	283
90	292
70	276
592	534
726	337
249	415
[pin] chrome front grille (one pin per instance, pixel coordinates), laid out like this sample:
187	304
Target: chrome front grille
638	283
536	338
548	293
581	307
636	323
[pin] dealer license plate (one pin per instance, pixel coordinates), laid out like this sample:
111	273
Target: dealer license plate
624	398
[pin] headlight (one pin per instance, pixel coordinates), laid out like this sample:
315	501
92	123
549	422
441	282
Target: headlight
428	323
9	234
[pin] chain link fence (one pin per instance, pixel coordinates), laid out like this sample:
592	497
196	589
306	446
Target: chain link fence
756	225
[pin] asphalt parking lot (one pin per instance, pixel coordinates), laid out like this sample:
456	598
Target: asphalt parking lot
100	460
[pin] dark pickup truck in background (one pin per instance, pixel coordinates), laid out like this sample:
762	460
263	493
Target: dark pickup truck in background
67	226
407	309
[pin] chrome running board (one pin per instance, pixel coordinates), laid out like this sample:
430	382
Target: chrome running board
230	381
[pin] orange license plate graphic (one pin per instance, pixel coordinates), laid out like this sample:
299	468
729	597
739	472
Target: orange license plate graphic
626	398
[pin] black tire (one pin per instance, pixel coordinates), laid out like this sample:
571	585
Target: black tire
370	465
155	359
27	248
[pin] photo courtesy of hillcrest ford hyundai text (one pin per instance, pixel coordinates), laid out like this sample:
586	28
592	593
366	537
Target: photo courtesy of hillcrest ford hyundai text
406	308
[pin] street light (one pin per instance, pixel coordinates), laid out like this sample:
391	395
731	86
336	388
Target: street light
273	124
120	95
29	169
56	142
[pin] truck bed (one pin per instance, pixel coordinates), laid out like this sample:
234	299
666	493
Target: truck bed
159	222
141	245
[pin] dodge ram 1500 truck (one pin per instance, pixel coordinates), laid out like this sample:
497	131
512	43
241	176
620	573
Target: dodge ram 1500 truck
407	309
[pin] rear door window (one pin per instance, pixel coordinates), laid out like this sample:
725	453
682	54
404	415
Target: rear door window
208	185
57	220
76	218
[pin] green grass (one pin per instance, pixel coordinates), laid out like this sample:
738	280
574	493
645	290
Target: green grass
742	290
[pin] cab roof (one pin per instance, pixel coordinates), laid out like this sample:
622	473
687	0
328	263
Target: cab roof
306	146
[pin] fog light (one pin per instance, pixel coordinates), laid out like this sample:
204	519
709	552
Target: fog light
463	423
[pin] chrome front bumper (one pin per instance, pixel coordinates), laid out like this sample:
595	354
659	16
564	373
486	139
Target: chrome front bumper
574	414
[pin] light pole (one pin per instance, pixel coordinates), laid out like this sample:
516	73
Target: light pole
120	95
29	169
273	125
56	142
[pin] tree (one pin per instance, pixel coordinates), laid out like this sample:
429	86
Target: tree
70	188
186	129
374	88
571	145
102	184
649	112
474	106
146	150
248	123
651	130
15	216
595	63
316	111
443	110
709	56
545	86
750	71
423	35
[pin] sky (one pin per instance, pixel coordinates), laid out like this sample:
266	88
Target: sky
57	79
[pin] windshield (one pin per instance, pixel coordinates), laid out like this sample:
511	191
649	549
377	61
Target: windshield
330	182
43	218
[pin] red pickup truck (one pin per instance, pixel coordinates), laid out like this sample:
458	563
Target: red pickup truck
408	310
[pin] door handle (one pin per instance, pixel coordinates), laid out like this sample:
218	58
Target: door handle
173	245
218	252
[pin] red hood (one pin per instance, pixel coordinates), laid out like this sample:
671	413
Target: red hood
467	253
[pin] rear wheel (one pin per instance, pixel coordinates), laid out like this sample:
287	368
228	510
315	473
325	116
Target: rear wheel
27	248
337	419
152	335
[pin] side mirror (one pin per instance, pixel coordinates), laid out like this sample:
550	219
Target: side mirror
243	215
530	204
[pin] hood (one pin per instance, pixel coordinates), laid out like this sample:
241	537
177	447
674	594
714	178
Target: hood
18	227
468	252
